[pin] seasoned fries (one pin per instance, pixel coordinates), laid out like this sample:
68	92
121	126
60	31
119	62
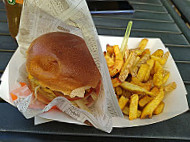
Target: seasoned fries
126	110
118	61
158	53
143	44
152	105
109	49
147	85
158	78
159	109
170	87
118	90
142	72
144	101
150	62
126	93
139	79
116	82
109	60
135	88
139	63
122	102
133	107
166	75
127	66
157	66
139	114
146	51
155	91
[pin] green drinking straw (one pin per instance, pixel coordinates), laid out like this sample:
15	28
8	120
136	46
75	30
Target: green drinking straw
126	37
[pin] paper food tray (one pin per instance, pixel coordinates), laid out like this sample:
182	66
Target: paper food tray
175	102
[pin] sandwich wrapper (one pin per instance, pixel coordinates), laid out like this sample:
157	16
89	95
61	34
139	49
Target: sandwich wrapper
40	17
72	16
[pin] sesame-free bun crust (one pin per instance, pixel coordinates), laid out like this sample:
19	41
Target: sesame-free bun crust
62	62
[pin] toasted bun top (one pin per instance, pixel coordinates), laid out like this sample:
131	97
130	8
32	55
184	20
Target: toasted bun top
62	62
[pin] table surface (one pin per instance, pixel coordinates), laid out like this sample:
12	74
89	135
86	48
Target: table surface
184	8
151	19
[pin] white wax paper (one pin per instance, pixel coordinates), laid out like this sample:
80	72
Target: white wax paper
40	17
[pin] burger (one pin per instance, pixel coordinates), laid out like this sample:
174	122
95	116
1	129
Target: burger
60	64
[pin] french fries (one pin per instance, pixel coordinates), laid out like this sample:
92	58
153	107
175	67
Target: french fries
115	82
109	60
122	102
146	51
126	93
170	87
158	78
127	65
143	44
139	79
118	61
139	63
109	49
166	75
142	72
133	107
135	88
147	85
118	90
157	66
139	114
152	105
155	90
126	110
159	108
150	62
158	53
144	101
